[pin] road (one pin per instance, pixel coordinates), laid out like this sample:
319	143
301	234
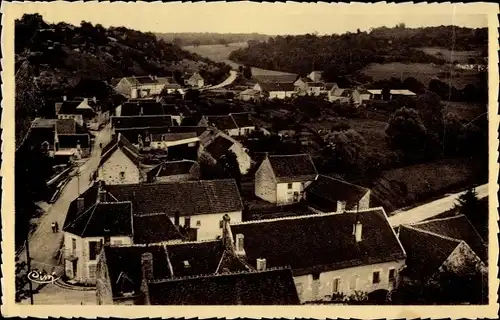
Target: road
229	80
43	243
432	209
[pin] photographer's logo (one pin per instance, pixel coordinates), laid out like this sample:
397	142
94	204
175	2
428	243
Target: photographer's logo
42	277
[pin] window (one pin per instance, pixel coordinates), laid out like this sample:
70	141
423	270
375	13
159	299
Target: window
198	223
353	285
315	276
122	174
392	275
221	224
94	249
186	264
376	277
187	222
92	271
290	185
336	285
73	245
117	242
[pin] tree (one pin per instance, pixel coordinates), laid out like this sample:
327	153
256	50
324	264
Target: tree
386	94
230	165
346	149
22	281
247	72
468	203
196	43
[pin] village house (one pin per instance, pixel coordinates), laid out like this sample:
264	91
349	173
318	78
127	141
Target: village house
144	86
244	122
306	86
172	171
376	94
196	205
316	76
345	96
450	243
189	273
139	122
328	194
249	95
215	145
282	179
275	78
276	90
194	80
120	162
334	254
224	123
85	112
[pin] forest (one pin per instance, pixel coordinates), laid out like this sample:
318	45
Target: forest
346	54
209	38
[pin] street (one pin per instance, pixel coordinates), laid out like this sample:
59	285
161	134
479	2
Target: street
432	209
43	243
229	80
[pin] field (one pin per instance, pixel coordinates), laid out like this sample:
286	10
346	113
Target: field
423	72
450	56
220	53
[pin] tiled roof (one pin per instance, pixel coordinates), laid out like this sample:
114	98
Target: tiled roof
334	190
425	251
125	270
276	86
89	197
120	142
171	133
148	108
195	258
140	121
69	107
173	136
272	287
103	219
154	228
185	197
218	147
72	140
284	78
293	168
66	126
43	123
172	168
320	242
225	122
243	120
457	227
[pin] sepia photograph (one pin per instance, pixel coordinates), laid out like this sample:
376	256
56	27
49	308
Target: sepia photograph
250	154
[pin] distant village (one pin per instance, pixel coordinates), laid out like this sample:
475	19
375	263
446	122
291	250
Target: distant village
151	230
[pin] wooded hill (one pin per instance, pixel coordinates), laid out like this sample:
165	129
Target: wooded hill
208	38
340	55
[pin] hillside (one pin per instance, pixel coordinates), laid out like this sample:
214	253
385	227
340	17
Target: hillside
347	54
210	38
53	59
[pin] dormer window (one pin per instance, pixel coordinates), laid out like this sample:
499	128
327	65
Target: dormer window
122	175
186	264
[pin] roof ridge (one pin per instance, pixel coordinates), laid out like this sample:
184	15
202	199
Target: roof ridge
215	275
460	215
346	182
194	241
81	215
432	233
88	221
289	155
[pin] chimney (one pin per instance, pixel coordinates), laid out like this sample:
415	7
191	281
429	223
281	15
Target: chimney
102	195
80	205
341	206
65	98
358	229
240	244
94	99
147	265
261	264
141	112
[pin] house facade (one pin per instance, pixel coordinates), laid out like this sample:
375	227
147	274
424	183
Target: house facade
356	263
345	96
282	179
195	80
141	87
316	76
224	123
276	90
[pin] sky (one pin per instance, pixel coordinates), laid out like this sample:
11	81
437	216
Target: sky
265	18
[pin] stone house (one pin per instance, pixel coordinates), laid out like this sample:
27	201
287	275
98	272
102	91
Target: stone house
316	75
435	244
224	123
282	179
328	194
83	110
195	80
244	122
71	139
306	86
345	96
173	171
139	87
196	206
329	254
216	144
189	273
276	90
376	94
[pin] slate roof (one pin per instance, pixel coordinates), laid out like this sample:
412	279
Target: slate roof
276	86
320	242
335	190
173	136
65	126
120	142
141	121
219	147
154	228
272	287
283	78
224	122
89	197
124	266
148	108
195	258
184	197
69	107
100	219
172	168
71	140
293	168
43	123
425	251
243	120
459	228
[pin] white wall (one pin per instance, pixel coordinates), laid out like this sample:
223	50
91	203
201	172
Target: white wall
233	132
244	160
285	195
109	172
265	184
306	286
209	227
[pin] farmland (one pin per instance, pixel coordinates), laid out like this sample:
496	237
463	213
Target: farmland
450	56
423	72
220	53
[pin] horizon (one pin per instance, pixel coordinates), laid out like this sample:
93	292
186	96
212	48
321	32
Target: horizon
238	18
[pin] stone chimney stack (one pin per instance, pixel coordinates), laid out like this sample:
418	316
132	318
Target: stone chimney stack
80	205
240	244
147	265
227	235
94	99
261	264
65	98
358	229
